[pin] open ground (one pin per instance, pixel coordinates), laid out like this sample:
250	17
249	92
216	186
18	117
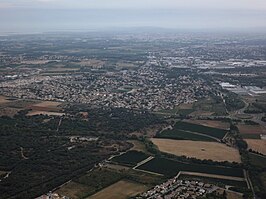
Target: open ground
211	123
257	145
250	129
197	149
123	189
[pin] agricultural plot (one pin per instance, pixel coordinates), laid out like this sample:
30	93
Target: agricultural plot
257	145
200	150
31	113
169	167
74	190
3	99
211	123
183	135
257	160
89	183
214	132
120	190
250	129
130	158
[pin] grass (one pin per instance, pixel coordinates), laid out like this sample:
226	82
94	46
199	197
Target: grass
130	158
257	160
169	167
178	134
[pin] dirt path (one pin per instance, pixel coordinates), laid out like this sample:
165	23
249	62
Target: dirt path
22	153
143	162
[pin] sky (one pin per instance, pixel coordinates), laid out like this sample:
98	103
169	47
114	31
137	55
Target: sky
85	15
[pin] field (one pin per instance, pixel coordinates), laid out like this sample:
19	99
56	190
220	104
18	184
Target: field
130	158
120	190
184	130
250	129
200	150
89	183
74	190
9	111
31	113
257	160
257	145
183	135
3	99
211	123
138	145
48	104
170	168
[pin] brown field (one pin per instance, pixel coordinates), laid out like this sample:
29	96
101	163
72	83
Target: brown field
201	113
3	99
257	145
185	106
74	190
211	123
9	111
31	113
250	129
120	190
48	104
200	150
92	63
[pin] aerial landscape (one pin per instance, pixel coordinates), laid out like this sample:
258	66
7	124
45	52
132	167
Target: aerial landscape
122	113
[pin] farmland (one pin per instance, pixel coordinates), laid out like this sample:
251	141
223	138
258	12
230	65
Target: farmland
31	113
130	158
183	135
214	132
257	145
120	190
250	129
211	123
180	129
170	168
200	150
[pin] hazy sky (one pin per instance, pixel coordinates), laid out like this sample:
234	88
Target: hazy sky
53	15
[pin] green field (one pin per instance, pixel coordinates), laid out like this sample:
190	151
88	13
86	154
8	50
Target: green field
131	158
214	132
170	168
183	135
257	160
250	136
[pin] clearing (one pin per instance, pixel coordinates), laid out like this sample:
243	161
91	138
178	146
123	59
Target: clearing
197	149
121	190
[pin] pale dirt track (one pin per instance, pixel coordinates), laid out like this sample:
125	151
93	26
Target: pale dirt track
197	149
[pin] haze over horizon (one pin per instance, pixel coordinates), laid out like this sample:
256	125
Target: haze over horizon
55	15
